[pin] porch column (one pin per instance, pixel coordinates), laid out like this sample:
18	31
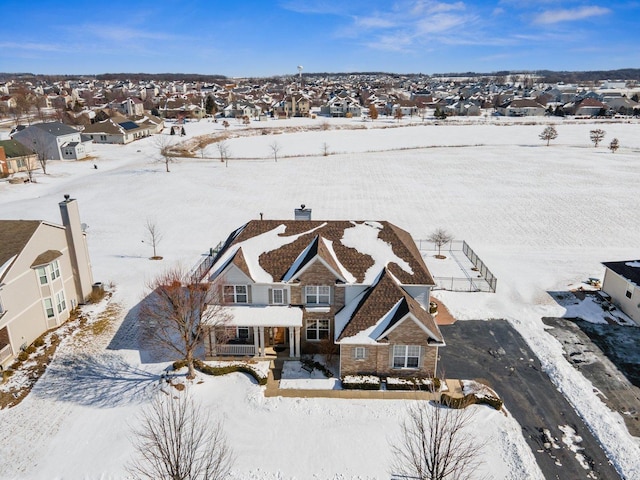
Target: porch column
256	339
262	341
292	351
212	342
297	332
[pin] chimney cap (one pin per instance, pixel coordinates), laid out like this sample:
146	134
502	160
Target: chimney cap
66	197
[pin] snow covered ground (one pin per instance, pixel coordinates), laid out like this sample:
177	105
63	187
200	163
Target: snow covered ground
541	218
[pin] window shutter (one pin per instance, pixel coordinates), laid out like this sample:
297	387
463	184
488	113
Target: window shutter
248	293
270	296
390	356
331	288
284	296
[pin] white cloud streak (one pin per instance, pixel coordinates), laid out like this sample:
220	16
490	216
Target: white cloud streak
550	17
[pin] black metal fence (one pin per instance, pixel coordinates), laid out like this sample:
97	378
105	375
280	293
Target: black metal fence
485	281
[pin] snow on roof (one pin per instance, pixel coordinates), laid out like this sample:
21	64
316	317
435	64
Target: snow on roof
5	266
255	246
343	271
371	334
364	238
263	316
634	264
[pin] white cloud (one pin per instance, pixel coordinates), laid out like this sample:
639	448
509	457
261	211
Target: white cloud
374	22
569	15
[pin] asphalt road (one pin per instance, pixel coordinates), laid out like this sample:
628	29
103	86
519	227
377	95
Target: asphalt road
493	352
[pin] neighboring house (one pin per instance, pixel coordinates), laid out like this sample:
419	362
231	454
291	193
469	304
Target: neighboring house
55	140
15	157
131	106
341	107
116	131
622	284
312	286
522	107
45	272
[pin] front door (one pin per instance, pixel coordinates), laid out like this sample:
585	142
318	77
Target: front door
279	335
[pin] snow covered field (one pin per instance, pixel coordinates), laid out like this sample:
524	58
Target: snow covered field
541	218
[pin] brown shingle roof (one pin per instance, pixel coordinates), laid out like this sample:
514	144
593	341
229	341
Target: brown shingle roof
46	257
379	300
278	262
14	235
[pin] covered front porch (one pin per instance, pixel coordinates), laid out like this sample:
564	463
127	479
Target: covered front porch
253	331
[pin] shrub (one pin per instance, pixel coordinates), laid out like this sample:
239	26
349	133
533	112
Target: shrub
216	371
312	364
360	382
472	399
30	349
414	383
39	342
22	356
6	374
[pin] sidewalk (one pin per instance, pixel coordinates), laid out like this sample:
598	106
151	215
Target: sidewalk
273	390
444	316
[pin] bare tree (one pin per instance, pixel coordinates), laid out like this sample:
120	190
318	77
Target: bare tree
548	134
40	148
436	443
223	151
178	440
275	149
614	145
398	115
440	237
179	311
154	236
30	166
597	136
325	149
164	144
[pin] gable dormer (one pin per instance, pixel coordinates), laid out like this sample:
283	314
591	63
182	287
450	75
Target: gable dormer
317	252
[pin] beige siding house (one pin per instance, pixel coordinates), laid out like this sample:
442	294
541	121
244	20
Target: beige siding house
358	288
45	272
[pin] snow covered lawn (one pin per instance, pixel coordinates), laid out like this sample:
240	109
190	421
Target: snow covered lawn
541	218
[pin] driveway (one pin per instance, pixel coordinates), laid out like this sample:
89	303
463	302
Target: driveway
493	352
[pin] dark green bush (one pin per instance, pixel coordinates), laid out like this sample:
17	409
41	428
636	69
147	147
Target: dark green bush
217	371
360	385
416	384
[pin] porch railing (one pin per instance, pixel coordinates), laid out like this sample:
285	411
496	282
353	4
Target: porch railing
229	350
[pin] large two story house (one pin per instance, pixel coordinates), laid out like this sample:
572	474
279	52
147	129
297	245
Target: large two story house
359	287
45	272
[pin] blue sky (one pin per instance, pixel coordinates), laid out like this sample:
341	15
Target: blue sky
263	38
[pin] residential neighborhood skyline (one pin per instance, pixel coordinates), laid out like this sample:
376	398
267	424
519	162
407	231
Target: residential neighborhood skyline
254	38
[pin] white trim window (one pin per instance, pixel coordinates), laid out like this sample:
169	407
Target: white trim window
242	333
54	270
42	275
317	294
277	296
359	353
236	294
61	303
48	308
629	292
317	330
406	356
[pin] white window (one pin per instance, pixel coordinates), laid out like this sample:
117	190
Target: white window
61	304
317	294
317	329
48	307
278	296
42	275
235	294
242	332
360	353
629	292
406	356
54	269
